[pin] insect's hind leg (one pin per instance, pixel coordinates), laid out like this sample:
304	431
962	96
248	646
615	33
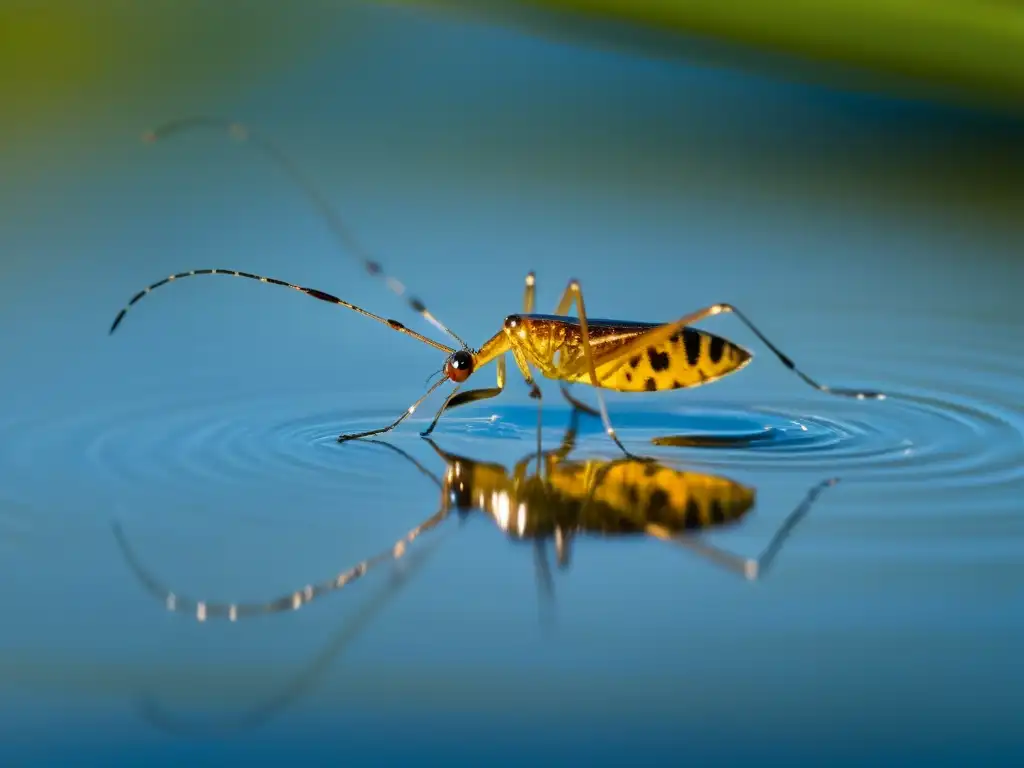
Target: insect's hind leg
663	333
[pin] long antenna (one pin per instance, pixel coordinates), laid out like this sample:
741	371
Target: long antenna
344	235
315	293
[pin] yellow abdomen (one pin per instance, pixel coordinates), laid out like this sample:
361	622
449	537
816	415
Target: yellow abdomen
688	359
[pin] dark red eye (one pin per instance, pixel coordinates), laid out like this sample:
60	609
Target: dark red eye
459	366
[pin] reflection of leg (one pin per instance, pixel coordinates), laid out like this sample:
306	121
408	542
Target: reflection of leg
554	456
404	454
563	547
710	441
750	568
470	396
203	610
545	582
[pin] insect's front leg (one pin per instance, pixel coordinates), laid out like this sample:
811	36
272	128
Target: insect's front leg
535	393
471	396
524	369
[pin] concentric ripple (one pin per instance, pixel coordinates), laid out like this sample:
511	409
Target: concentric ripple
968	431
160	445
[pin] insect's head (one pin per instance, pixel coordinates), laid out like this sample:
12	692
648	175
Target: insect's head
459	366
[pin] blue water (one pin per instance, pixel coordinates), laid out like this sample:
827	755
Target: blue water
876	241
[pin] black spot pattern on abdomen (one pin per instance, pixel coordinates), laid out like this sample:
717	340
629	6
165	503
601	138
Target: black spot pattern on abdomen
659	360
691	340
716	348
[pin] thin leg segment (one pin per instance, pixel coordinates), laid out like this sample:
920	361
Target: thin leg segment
524	368
528	295
662	333
562	308
405	414
750	568
471	396
577	404
338	228
550	457
572	292
545	583
203	610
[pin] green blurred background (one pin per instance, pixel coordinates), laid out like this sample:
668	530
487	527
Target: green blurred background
79	78
62	53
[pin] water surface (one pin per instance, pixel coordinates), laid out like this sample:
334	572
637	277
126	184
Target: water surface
877	242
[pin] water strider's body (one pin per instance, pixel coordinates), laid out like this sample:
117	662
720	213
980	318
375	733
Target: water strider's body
557	501
553	344
618	355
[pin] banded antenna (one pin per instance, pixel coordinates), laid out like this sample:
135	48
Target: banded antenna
338	228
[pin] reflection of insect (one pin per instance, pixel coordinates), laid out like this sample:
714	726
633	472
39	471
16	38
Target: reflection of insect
562	499
623	356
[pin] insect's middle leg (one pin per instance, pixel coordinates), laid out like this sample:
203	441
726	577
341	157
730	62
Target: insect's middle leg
528	305
548	459
574	293
560	309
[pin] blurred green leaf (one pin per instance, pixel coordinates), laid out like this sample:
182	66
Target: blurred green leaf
969	49
59	58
